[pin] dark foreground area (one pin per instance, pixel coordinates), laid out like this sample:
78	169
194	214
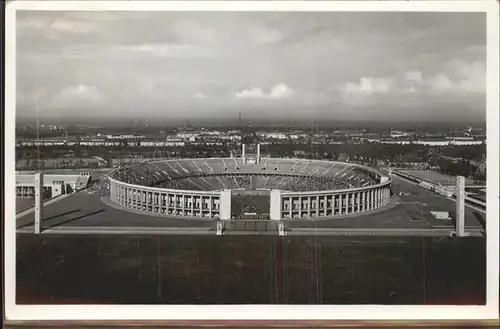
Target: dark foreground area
126	269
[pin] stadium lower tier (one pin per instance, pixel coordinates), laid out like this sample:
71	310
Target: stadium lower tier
253	181
227	204
217	174
326	205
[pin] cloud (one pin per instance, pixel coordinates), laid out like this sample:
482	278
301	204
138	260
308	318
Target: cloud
151	87
440	83
471	76
192	32
369	86
414	77
170	50
57	24
281	91
413	80
278	91
100	16
38	95
264	35
160	50
457	77
200	96
375	61
79	95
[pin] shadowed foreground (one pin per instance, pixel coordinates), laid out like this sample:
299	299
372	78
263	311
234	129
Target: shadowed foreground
128	269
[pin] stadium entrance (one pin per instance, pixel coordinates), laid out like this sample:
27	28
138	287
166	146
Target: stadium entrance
250	205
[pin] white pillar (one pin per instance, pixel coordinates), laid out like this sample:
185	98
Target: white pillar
384	179
38	203
460	221
219	227
353	200
341	204
275	205
300	207
210	202
258	153
309	206
225	204
317	206
281	229
243	152
112	191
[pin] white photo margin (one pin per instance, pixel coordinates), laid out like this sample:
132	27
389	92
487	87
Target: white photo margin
15	312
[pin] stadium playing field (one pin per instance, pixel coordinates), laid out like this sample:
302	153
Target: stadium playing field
245	203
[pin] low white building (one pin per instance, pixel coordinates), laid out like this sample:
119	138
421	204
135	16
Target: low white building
273	135
174	141
442	215
53	185
188	135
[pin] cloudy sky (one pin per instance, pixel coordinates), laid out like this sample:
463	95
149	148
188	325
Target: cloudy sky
388	66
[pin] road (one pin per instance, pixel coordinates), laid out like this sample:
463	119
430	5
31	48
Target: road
382	232
122	230
206	231
441	196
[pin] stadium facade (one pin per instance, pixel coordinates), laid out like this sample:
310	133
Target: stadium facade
205	188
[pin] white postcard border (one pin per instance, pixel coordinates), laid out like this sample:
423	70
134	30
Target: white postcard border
258	312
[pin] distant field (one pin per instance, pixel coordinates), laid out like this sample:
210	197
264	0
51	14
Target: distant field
435	177
56	163
96	173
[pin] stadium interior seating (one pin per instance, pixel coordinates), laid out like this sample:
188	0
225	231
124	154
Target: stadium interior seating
216	174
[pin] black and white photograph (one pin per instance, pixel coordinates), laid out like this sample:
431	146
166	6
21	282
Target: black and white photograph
218	155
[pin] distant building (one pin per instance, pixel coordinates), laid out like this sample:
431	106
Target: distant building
174	141
272	135
299	153
120	136
441	215
114	136
398	134
53	185
296	136
461	138
190	136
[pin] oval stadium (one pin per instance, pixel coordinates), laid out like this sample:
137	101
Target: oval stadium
248	187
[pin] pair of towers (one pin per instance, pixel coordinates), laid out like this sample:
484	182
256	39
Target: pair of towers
248	157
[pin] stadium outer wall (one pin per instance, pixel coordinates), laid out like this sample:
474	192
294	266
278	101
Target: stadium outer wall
284	204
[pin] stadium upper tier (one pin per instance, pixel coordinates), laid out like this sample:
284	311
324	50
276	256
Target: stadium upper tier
232	173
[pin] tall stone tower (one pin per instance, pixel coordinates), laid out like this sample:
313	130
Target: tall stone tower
38	203
460	222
